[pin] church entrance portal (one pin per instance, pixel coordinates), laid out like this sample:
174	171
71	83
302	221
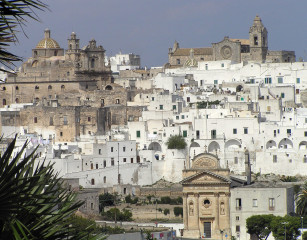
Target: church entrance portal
207	229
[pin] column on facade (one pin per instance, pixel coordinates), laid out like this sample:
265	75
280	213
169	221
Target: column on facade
186	211
196	196
227	208
217	210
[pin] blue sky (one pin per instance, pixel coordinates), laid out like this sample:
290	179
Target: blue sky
150	27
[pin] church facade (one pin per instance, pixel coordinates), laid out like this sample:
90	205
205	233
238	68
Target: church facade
255	48
206	193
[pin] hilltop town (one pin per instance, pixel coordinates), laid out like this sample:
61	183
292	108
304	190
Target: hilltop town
106	124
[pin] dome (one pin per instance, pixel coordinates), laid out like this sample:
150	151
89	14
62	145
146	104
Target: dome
47	42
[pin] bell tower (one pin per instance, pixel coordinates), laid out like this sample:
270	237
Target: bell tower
73	47
258	37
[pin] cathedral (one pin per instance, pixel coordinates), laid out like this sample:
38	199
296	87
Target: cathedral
255	48
66	94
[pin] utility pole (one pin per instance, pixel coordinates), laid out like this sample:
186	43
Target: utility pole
118	176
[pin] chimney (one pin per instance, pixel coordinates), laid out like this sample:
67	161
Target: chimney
247	167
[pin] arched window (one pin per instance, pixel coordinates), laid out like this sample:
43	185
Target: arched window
17	88
109	87
17	100
92	63
49	87
62	88
70	46
4	101
36	87
4	88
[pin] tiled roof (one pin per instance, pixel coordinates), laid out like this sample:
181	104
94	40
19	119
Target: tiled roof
242	41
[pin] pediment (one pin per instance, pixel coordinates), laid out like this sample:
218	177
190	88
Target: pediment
204	178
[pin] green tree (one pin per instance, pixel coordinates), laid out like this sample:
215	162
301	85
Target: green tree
301	200
286	227
124	215
14	15
259	225
176	142
178	211
166	211
105	200
33	203
304	235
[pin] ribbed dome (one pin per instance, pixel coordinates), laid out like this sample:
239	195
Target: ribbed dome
47	42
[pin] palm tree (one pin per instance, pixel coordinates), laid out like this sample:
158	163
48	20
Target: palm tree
301	200
33	203
14	14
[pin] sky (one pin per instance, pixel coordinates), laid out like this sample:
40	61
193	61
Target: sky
150	27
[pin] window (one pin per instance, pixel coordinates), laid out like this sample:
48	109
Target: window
124	159
197	134
67	73
97	166
17	88
297	91
104	163
184	133
35	119
305	159
271	203
61	134
138	134
216	81
131	159
236	160
49	87
104	179
177	117
36	88
112	149
256	40
274	158
178	61
268	80
188	99
93	181
213	134
99	151
4	101
245	130
88	119
255	203
51	121
280	80
237	218
152	99
161	107
112	161
182	116
238	203
288	131
298	80
92	206
92	166
237	228
305	134
124	149
206	66
222	65
62	88
234	131
65	120
117	101
92	63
